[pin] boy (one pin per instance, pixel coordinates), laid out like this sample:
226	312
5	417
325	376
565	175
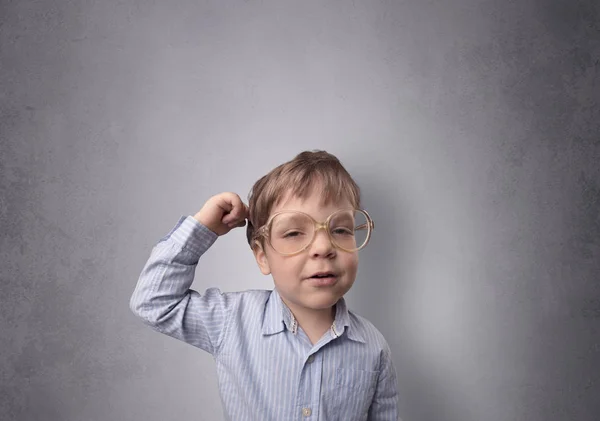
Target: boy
296	352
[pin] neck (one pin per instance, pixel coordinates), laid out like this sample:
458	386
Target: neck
313	322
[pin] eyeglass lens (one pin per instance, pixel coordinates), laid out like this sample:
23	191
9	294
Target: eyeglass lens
292	231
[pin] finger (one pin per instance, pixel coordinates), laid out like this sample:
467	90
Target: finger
240	224
229	202
238	211
236	224
241	211
224	204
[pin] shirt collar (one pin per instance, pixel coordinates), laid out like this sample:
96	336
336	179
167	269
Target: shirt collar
344	323
272	318
278	316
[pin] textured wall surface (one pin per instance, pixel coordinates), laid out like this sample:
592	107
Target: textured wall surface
473	128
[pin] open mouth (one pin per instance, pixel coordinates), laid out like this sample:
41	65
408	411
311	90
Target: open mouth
323	275
323	279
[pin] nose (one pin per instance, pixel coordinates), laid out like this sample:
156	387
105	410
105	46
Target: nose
322	245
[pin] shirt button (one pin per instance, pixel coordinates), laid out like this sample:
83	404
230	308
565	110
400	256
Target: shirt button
306	412
311	359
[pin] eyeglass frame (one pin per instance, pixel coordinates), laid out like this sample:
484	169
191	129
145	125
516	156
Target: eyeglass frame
370	224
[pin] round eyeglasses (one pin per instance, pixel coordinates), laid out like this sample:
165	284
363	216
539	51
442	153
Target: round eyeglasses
291	232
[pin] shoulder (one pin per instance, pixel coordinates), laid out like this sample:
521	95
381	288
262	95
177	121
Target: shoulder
254	297
367	330
243	300
245	293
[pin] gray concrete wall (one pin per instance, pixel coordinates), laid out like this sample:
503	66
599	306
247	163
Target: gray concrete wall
471	126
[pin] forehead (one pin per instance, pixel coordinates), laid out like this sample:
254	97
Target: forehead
315	204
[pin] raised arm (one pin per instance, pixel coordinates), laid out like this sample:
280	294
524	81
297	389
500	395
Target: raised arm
163	298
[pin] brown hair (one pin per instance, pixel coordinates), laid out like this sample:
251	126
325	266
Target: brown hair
298	177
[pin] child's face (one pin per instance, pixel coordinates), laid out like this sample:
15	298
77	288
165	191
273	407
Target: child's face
292	274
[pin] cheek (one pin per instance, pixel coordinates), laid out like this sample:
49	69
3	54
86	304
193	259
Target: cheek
284	268
351	264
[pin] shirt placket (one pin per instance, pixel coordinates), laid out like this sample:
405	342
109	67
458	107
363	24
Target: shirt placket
310	387
311	378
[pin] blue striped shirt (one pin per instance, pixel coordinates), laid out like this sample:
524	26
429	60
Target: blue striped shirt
267	367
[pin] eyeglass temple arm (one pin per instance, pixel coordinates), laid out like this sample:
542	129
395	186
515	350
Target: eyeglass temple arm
364	226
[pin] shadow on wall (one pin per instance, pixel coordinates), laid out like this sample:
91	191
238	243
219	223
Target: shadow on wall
387	281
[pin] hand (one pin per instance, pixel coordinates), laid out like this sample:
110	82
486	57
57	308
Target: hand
223	212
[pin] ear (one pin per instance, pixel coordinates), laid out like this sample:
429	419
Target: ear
261	258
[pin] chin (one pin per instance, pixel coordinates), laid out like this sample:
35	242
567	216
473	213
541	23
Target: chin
322	300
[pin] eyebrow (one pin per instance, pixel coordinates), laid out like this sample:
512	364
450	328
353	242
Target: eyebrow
349	217
291	218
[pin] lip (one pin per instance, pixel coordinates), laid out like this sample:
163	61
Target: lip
324	272
323	282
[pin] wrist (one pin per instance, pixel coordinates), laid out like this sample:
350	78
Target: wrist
204	221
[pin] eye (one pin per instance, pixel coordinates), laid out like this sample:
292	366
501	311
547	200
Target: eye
342	231
292	234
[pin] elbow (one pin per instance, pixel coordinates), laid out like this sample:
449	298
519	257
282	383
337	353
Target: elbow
134	306
150	312
142	310
137	308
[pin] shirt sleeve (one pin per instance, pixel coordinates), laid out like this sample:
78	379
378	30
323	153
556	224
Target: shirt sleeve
163	299
384	406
